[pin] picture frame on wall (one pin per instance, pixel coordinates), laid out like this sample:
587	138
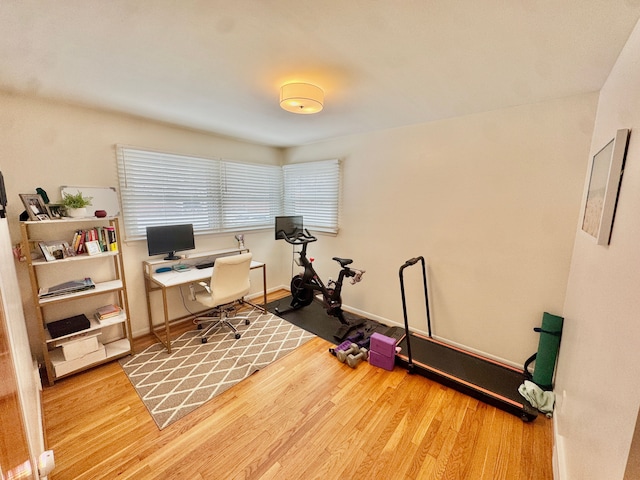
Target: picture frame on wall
35	206
605	177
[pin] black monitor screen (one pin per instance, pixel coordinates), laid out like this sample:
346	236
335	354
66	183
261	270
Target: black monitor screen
169	239
290	226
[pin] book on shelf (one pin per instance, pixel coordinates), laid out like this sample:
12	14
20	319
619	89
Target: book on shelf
79	238
67	287
105	322
112	243
108	311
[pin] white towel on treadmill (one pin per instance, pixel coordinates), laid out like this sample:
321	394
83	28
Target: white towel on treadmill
538	398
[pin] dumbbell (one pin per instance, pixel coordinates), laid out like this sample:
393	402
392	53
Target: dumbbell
354	360
343	354
343	346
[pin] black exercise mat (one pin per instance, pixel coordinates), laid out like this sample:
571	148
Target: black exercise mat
314	318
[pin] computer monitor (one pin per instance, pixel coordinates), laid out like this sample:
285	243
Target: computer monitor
290	225
169	239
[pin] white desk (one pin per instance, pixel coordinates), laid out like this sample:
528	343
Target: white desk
163	281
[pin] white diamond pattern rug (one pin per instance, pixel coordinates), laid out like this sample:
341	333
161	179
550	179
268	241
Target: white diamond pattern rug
174	384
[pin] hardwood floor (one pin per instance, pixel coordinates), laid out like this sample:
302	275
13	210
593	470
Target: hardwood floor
306	416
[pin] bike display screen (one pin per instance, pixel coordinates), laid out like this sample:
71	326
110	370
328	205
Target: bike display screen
289	226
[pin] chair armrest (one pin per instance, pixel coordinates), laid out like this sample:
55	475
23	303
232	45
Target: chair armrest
205	286
192	290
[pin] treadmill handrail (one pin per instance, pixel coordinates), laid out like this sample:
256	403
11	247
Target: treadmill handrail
408	263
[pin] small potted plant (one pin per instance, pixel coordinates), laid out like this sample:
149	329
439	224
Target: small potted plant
76	204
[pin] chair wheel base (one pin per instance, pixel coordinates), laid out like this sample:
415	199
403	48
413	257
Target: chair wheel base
237	336
247	322
204	340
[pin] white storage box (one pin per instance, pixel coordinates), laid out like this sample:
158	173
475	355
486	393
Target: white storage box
80	347
63	367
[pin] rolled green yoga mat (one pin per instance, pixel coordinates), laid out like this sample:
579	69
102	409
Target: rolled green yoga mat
548	347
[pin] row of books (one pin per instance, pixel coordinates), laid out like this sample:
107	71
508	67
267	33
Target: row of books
105	236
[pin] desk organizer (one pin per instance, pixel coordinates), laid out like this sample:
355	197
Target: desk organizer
382	351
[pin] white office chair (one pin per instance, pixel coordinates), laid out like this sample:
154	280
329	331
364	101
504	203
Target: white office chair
229	284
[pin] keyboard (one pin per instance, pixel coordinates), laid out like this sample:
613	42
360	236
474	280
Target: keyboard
200	266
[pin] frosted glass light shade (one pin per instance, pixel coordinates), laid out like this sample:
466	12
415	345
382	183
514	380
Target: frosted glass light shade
301	98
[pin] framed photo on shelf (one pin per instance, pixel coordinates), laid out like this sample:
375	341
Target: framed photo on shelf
55	210
36	208
48	255
605	178
93	247
55	250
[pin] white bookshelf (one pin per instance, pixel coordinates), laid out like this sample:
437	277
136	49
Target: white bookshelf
108	347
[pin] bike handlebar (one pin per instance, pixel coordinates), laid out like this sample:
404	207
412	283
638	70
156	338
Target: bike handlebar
298	238
357	277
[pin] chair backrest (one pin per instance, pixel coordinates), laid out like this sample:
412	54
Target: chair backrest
230	278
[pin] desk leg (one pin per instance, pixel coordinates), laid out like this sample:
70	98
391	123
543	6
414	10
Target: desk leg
147	285
262	307
147	289
153	330
167	330
264	285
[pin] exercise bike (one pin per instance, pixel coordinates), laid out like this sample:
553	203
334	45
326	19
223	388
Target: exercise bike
306	285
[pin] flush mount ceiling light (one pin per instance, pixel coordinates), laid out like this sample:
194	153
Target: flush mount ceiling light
301	98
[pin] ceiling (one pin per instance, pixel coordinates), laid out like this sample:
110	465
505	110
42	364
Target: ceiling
217	65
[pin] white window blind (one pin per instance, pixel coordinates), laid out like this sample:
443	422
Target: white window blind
312	190
251	195
215	196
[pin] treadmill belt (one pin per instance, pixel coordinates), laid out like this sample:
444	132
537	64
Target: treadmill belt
479	377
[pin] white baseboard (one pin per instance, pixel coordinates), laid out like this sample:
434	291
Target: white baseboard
559	467
259	295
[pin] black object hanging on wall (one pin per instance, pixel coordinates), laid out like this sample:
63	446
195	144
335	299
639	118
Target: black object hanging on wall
3	198
40	191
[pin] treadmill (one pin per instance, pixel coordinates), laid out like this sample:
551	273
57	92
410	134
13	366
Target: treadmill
479	377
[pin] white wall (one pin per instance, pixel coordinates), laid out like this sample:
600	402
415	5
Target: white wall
489	200
46	144
597	379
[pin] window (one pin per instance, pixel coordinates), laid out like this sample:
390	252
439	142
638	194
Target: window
214	195
222	196
251	194
312	190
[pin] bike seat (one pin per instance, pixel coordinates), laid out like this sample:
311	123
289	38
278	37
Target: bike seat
343	261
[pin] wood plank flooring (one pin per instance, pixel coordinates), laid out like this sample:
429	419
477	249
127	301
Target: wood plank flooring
306	416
